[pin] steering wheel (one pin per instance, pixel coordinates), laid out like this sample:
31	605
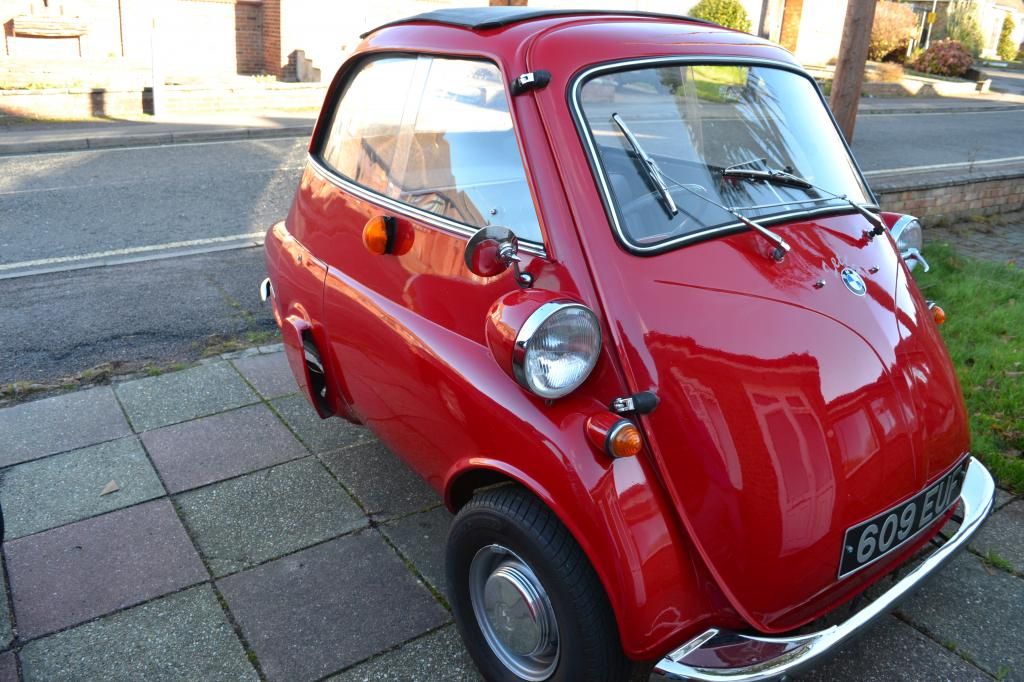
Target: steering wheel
691	208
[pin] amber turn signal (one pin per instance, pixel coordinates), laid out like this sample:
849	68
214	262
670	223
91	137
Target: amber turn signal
379	235
614	435
938	314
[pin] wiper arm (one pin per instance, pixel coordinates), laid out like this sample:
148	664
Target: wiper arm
784	178
654	173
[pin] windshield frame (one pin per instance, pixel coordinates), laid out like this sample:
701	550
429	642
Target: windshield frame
597	169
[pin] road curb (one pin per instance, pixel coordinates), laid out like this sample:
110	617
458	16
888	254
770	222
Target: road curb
150	139
941	110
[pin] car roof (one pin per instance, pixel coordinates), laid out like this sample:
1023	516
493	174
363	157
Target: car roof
485	18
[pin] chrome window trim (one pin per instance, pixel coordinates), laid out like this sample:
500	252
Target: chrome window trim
537	318
411	212
598	171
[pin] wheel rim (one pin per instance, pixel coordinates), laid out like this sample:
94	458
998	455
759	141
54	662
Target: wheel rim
514	613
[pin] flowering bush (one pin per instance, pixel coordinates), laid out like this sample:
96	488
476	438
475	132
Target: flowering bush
728	13
944	58
892	30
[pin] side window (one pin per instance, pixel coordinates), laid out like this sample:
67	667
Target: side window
453	152
367	122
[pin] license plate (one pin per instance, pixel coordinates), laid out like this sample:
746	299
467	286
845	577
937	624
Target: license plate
876	537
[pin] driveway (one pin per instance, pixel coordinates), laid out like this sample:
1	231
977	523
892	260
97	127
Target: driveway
205	525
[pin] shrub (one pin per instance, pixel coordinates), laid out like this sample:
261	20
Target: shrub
728	13
963	26
892	29
944	58
1007	50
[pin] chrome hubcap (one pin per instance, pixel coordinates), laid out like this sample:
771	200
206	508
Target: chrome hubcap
514	613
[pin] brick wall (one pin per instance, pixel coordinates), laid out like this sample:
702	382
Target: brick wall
249	37
957	198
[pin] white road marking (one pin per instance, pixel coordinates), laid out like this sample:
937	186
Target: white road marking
945	166
304	138
127	183
135	254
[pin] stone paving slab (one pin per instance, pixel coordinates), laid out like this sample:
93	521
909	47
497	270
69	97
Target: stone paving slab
68	421
51	492
6	622
437	657
184	636
319	435
248	520
977	609
180	396
322	609
384	484
210	449
422	538
893	650
1002	535
269	374
71	574
8	667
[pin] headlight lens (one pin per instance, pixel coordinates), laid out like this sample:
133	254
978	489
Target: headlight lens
907	233
556	349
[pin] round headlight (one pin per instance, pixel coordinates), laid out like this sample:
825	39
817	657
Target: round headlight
556	349
907	233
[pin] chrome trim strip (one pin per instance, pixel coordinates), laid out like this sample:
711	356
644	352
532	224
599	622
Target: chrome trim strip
597	170
530	327
778	656
412	212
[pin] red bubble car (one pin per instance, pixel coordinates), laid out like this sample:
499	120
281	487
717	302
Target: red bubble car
613	284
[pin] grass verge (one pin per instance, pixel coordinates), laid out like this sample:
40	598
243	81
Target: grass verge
985	336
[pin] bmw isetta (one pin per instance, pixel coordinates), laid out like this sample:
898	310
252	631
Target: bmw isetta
614	285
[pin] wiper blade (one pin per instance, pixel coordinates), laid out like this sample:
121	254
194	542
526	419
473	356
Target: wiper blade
654	173
780	177
773	176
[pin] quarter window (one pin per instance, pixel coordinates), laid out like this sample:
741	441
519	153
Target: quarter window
450	150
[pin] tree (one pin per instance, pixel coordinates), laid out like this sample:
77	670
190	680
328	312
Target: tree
853	55
963	26
728	13
1007	48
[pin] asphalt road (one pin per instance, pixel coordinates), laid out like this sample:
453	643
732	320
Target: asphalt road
60	211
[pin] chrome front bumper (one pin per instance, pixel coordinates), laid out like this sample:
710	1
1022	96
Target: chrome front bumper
734	657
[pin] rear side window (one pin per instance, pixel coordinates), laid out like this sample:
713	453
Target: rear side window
450	150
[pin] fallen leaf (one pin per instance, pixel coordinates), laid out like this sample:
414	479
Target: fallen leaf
111	487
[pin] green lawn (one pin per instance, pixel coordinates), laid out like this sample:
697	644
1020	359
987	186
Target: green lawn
984	331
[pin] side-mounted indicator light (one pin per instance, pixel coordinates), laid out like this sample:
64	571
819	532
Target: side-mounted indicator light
615	435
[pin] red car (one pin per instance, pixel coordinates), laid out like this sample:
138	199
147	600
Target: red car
613	284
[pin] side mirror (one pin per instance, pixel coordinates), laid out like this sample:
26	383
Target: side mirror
492	251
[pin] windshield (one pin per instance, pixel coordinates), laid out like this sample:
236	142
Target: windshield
695	121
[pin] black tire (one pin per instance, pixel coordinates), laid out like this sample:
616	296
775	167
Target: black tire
588	639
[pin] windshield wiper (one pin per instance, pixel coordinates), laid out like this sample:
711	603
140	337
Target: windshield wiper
781	247
786	179
650	166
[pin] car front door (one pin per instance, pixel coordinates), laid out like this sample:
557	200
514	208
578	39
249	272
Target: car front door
437	167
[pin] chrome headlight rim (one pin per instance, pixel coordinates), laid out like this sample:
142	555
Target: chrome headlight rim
529	330
909	252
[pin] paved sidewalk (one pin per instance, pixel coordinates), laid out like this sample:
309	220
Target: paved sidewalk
28	138
246	539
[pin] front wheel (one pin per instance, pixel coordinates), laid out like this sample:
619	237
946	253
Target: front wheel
526	600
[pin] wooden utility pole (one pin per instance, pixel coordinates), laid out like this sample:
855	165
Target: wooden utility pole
853	55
